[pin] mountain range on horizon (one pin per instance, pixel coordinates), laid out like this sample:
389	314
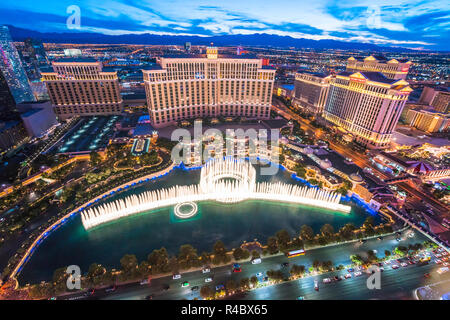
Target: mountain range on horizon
256	39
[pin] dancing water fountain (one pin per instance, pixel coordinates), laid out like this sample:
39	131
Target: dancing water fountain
225	180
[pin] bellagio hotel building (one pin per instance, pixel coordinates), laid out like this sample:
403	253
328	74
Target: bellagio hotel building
80	87
196	86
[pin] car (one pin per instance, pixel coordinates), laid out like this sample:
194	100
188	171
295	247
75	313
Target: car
145	281
438	261
206	270
381	269
149	297
404	264
185	284
176	276
326	280
395	266
236	265
220	287
256	261
358	273
438	255
111	289
387	262
427	275
194	288
301	298
350	270
90	292
265	279
259	274
316	285
348	275
237	270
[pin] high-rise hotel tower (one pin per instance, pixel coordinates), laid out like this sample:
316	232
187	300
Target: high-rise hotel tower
366	105
392	69
79	87
209	85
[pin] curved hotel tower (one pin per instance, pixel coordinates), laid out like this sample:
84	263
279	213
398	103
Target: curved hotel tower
195	86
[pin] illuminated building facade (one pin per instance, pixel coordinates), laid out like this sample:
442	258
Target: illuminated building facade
12	68
428	120
392	69
7	102
311	91
191	86
367	105
79	87
437	97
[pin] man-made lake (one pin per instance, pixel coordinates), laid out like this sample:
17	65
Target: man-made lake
71	244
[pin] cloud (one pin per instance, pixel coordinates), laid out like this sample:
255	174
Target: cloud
389	22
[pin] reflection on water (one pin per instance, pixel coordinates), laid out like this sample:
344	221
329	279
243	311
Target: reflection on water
141	233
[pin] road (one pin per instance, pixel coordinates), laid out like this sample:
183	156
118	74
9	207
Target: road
398	283
360	160
395	284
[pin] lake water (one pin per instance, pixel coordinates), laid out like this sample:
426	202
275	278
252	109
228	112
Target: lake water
71	244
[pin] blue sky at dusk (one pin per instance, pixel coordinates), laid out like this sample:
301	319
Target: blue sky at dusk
414	23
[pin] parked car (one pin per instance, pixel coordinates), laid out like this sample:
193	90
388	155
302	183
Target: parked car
208	279
256	261
111	289
176	276
206	270
220	287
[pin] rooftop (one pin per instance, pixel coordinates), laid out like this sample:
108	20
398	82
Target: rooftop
31	112
219	56
316	74
370	75
80	60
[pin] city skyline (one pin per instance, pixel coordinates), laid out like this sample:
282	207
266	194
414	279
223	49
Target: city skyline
419	25
206	150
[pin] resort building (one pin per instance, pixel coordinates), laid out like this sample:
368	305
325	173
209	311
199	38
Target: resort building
38	117
12	133
438	98
80	87
392	69
428	120
366	105
311	91
208	85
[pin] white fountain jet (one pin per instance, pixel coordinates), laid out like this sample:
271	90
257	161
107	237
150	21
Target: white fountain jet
225	180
